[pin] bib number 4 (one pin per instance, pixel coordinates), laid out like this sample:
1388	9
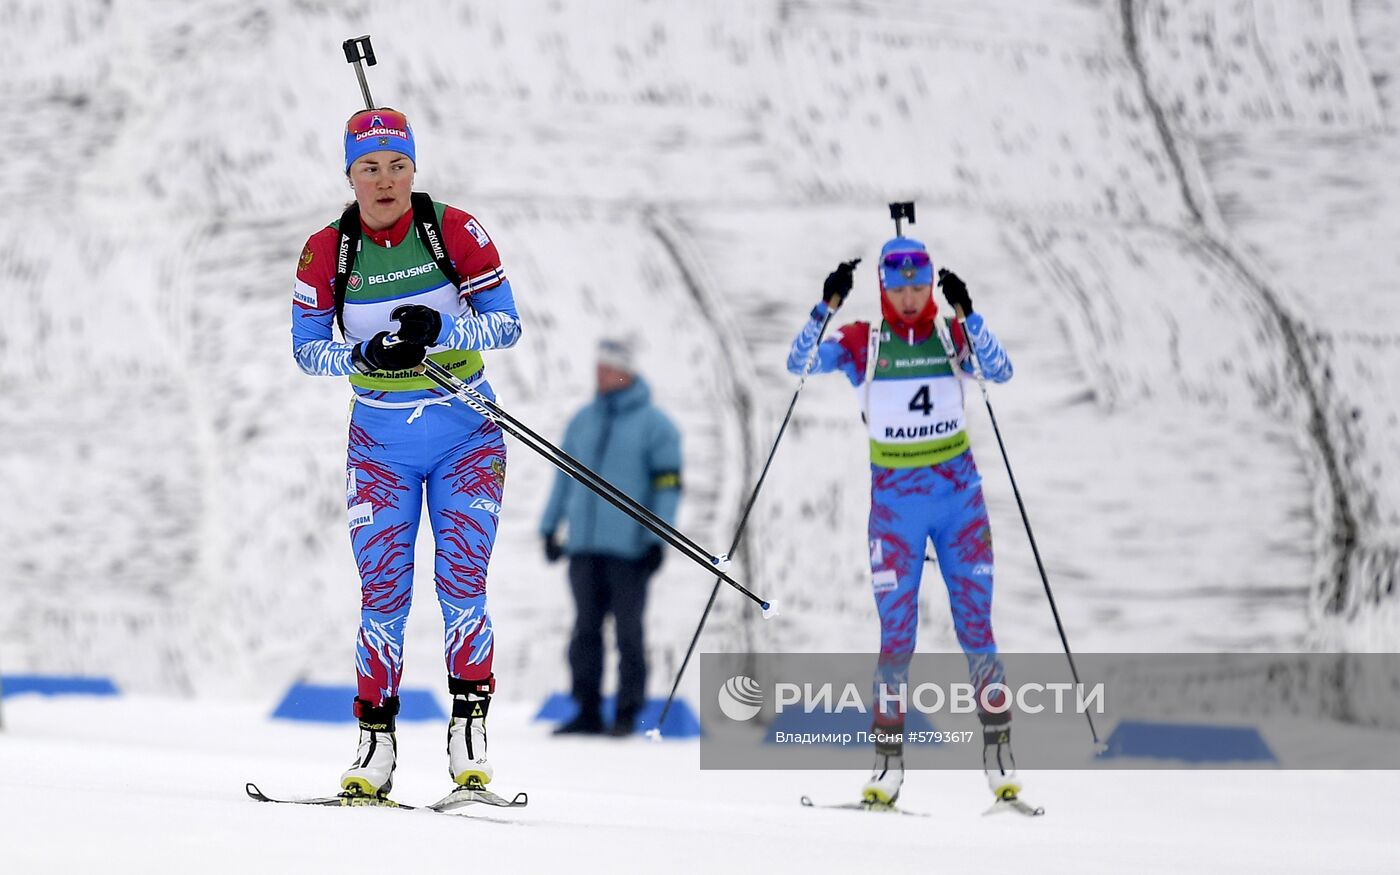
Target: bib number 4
921	402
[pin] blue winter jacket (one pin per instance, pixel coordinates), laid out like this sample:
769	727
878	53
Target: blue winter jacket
633	445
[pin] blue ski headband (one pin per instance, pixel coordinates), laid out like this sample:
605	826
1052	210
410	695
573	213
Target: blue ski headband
378	130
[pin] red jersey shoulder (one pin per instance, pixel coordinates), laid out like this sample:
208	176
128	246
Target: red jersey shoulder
316	271
855	340
471	250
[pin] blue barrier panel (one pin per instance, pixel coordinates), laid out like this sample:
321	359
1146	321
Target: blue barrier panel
795	720
1188	742
681	721
56	685
331	704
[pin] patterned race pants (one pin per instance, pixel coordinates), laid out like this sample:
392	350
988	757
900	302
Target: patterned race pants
395	457
909	507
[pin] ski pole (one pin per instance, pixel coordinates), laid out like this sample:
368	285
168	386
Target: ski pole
655	732
1021	505
490	410
359	50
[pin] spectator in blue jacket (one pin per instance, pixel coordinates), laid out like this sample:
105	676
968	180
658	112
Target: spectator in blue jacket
629	442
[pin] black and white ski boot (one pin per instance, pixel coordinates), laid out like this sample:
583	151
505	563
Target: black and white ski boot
887	776
372	773
466	731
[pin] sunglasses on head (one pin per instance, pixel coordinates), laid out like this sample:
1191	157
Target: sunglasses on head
369	120
906	260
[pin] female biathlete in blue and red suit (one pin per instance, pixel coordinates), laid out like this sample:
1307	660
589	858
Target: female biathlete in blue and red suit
407	438
924	483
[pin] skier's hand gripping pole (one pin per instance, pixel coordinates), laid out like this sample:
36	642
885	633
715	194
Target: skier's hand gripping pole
943	274
490	410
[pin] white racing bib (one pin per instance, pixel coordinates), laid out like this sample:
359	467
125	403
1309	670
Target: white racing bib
913	403
915	411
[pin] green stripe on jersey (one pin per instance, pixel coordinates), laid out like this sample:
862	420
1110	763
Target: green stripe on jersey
900	361
383	273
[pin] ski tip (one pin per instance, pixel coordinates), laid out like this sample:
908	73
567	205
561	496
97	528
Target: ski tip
1016	805
770	610
807	801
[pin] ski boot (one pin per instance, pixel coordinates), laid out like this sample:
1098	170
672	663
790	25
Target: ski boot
999	763
466	731
886	778
1000	766
372	773
882	790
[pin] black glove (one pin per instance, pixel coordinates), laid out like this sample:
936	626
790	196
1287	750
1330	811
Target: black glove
955	290
838	284
380	353
418	324
552	549
651	559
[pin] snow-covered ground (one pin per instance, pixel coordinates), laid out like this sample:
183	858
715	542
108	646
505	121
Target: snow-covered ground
1176	214
152	785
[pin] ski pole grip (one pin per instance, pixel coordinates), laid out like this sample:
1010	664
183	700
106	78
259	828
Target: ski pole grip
359	49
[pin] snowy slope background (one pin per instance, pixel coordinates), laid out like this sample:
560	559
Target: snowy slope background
1178	216
1172	213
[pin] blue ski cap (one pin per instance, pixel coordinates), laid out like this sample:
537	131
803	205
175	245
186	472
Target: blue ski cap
377	130
905	261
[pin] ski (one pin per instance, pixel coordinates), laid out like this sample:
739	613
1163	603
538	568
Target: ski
459	798
1001	806
873	807
341	800
475	793
1016	804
